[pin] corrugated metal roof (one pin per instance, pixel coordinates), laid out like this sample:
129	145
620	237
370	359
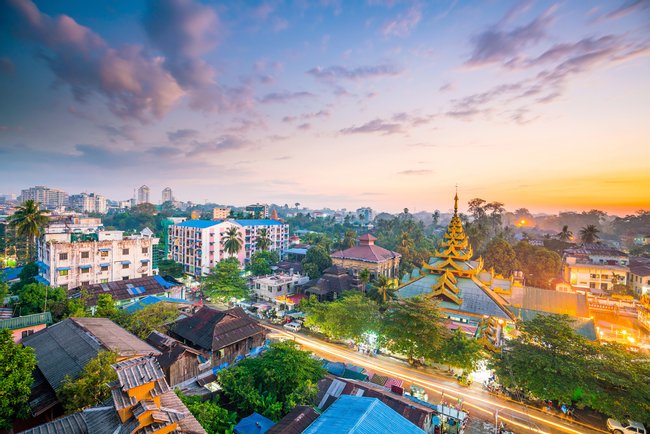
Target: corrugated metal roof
8	274
21	322
359	415
115	338
96	420
136	372
254	424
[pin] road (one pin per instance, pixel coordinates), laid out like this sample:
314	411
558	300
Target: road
478	402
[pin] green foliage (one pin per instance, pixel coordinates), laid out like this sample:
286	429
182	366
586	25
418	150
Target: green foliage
405	235
500	255
4	292
551	361
32	299
261	261
225	281
460	351
414	328
26	277
106	307
213	418
28	221
349	317
383	290
91	387
16	366
232	241
316	261
589	234
144	321
77	307
263	242
539	264
169	267
274	383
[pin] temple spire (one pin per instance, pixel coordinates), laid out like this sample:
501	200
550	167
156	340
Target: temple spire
456	202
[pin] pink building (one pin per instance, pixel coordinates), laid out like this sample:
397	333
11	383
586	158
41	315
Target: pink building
23	326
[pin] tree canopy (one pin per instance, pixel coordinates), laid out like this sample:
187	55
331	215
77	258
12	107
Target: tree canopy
35	298
539	264
261	261
91	387
274	383
225	281
212	417
169	267
16	366
28	221
316	261
146	320
500	255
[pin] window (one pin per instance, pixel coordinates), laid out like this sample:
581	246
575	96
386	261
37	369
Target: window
104	253
603	286
104	268
27	333
85	270
125	266
63	272
63	256
85	255
125	278
104	281
592	285
145	250
125	251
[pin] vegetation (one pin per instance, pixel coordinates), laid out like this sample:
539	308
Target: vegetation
91	387
500	255
169	267
148	319
550	361
538	264
225	281
589	234
261	262
28	221
213	418
460	351
106	307
406	236
565	234
27	275
274	383
232	241
316	261
16	366
36	298
383	290
263	242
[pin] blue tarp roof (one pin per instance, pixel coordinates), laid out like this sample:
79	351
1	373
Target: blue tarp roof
164	283
199	224
254	424
151	299
359	415
7	274
259	222
41	279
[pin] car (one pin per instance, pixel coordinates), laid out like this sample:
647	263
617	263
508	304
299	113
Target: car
292	326
631	427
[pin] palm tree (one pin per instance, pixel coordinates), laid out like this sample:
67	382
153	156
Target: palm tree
232	242
263	241
28	221
349	239
566	234
383	290
589	234
364	276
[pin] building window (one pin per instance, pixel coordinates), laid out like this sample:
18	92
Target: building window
603	286
125	278
85	255
104	253
104	268
85	270
125	266
26	333
125	251
63	256
145	250
104	281
63	272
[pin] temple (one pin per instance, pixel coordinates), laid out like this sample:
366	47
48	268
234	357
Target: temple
469	295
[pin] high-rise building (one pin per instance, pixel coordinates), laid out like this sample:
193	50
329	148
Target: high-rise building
143	195
49	198
260	211
167	195
85	202
220	213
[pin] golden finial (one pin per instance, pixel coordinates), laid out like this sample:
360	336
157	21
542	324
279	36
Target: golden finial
456	201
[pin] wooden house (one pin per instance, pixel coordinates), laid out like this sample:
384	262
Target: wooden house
178	361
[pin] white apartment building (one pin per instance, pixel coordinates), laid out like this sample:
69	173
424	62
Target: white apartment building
268	288
167	195
198	244
49	198
92	202
594	266
143	195
73	259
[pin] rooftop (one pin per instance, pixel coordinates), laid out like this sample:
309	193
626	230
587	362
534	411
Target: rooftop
21	322
199	224
115	338
259	222
127	289
366	251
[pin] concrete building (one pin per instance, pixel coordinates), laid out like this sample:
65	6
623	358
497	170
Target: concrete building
258	210
595	267
220	213
167	195
143	195
49	198
72	259
199	244
367	255
639	276
87	203
366	214
269	288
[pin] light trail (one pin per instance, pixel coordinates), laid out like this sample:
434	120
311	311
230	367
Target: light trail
455	394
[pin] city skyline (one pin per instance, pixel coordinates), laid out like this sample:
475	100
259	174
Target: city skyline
387	104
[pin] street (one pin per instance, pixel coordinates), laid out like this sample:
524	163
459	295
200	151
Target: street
478	402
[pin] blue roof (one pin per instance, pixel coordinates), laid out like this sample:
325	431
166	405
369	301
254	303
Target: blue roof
164	283
254	424
7	274
41	279
199	224
149	300
296	251
359	415
259	222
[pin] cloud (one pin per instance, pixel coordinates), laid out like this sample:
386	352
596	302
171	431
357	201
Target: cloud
304	127
375	126
404	23
412	120
415	172
283	97
447	87
182	135
626	8
496	45
332	73
7	66
216	146
121	133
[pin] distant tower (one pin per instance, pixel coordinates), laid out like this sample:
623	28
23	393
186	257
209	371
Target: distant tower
274	215
143	194
167	195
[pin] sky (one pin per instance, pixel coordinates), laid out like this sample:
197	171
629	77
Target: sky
382	103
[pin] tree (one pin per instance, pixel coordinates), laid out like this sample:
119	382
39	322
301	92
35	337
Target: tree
26	276
538	264
16	366
261	261
476	208
263	241
35	298
382	290
91	387
4	292
232	241
144	321
106	307
500	255
350	317
413	327
460	351
225	281
565	234
435	217
169	267
213	418
274	383
589	234
28	220
316	261
349	239
364	277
